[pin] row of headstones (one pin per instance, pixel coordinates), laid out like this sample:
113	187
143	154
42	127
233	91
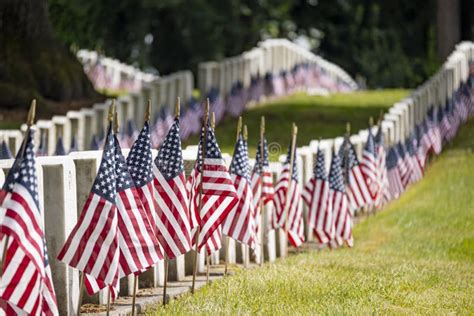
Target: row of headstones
110	73
79	127
270	57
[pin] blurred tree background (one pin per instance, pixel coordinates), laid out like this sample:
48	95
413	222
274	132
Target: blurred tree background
387	43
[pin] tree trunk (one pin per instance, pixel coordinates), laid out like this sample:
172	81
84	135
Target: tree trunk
33	63
448	26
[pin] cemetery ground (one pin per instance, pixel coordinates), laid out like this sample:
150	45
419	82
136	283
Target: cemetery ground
316	116
414	257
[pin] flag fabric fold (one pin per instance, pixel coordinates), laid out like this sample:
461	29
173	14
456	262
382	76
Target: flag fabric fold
239	224
172	202
288	213
26	285
316	196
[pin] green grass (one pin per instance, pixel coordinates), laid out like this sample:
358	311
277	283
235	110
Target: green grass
414	257
316	116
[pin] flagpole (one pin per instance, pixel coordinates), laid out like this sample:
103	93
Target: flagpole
81	289
208	264
260	202
294	132
203	156
245	249
239	131
108	301
135	285
29	122
177	111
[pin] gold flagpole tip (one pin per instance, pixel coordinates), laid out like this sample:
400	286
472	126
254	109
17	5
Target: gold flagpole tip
213	120
177	108
245	132
116	123
294	129
206	107
239	126
111	111
30	120
148	111
348	128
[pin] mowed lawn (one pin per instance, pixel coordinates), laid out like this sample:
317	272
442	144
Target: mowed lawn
316	116
414	257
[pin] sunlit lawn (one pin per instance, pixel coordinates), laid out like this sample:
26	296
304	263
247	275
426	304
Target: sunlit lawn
316	116
414	257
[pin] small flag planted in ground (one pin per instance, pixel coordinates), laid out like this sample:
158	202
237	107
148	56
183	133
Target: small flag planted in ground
97	254
5	152
169	185
340	204
239	224
288	211
218	192
26	284
316	197
59	150
358	191
368	167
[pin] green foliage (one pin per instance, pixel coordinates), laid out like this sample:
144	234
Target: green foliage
390	43
316	116
414	257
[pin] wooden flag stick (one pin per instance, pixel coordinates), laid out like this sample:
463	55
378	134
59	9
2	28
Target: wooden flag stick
213	120
260	203
30	120
81	289
294	133
177	108
134	297
165	285
148	111
203	156
208	266
226	261
108	301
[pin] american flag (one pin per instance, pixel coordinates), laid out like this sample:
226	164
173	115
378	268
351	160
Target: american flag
417	169
172	209
288	209
26	285
43	145
60	150
73	147
139	161
5	152
316	197
218	193
261	183
384	193
139	248
339	204
433	127
423	144
369	167
357	189
93	245
395	184
404	165
443	123
94	143
138	245
239	224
